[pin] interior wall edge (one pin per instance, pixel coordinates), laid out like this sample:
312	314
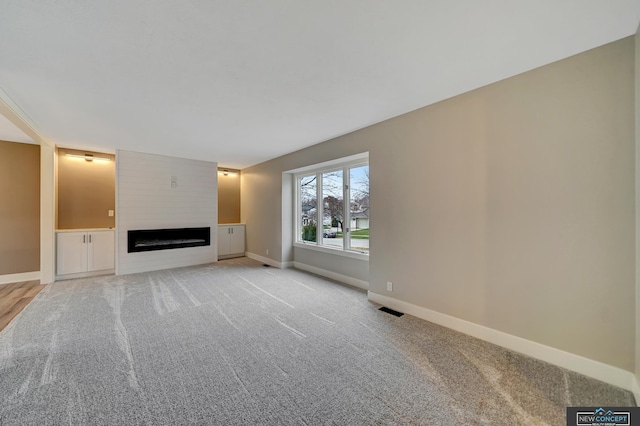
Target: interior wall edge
47	214
269	261
637	205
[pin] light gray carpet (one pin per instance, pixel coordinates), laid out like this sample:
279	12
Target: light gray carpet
239	343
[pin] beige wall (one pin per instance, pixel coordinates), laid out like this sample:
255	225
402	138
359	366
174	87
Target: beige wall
637	119
19	208
511	206
85	191
229	197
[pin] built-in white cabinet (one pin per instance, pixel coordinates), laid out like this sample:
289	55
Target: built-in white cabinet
230	241
81	252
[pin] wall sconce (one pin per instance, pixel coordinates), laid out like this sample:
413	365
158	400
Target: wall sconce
88	157
228	172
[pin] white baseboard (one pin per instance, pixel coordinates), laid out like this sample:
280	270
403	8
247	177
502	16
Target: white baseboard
332	275
230	256
591	368
271	262
85	274
16	278
636	389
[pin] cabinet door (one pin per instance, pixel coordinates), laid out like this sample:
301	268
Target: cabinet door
224	237
101	250
236	243
71	252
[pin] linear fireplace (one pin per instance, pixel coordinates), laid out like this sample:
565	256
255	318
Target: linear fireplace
165	239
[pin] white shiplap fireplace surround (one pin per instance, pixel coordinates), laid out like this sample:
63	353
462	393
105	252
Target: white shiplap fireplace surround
158	192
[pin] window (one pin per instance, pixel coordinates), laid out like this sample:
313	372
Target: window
309	207
332	207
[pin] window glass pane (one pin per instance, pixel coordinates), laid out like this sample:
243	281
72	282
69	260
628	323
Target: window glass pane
359	208
307	185
332	209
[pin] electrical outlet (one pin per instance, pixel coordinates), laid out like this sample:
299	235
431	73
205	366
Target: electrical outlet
389	286
267	252
110	213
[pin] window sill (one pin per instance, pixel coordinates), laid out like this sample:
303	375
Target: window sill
335	252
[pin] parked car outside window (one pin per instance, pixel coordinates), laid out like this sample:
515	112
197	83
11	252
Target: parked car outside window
329	233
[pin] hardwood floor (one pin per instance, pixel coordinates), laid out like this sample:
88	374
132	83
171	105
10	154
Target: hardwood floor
14	297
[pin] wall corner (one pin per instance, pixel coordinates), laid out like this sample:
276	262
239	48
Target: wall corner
47	214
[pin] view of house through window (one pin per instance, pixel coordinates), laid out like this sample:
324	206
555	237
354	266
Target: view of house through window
333	208
359	208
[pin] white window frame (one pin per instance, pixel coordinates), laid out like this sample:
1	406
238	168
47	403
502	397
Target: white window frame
345	165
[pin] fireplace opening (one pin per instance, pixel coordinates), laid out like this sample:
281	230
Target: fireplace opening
166	239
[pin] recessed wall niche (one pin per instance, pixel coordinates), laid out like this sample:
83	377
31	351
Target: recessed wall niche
228	195
86	189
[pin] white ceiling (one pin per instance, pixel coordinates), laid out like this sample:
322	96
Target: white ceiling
240	82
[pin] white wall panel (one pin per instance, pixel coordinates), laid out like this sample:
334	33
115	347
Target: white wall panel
146	200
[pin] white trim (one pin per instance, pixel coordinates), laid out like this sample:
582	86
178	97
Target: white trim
85	274
48	174
17	278
331	164
595	369
636	389
16	115
230	256
343	164
332	275
335	251
274	263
